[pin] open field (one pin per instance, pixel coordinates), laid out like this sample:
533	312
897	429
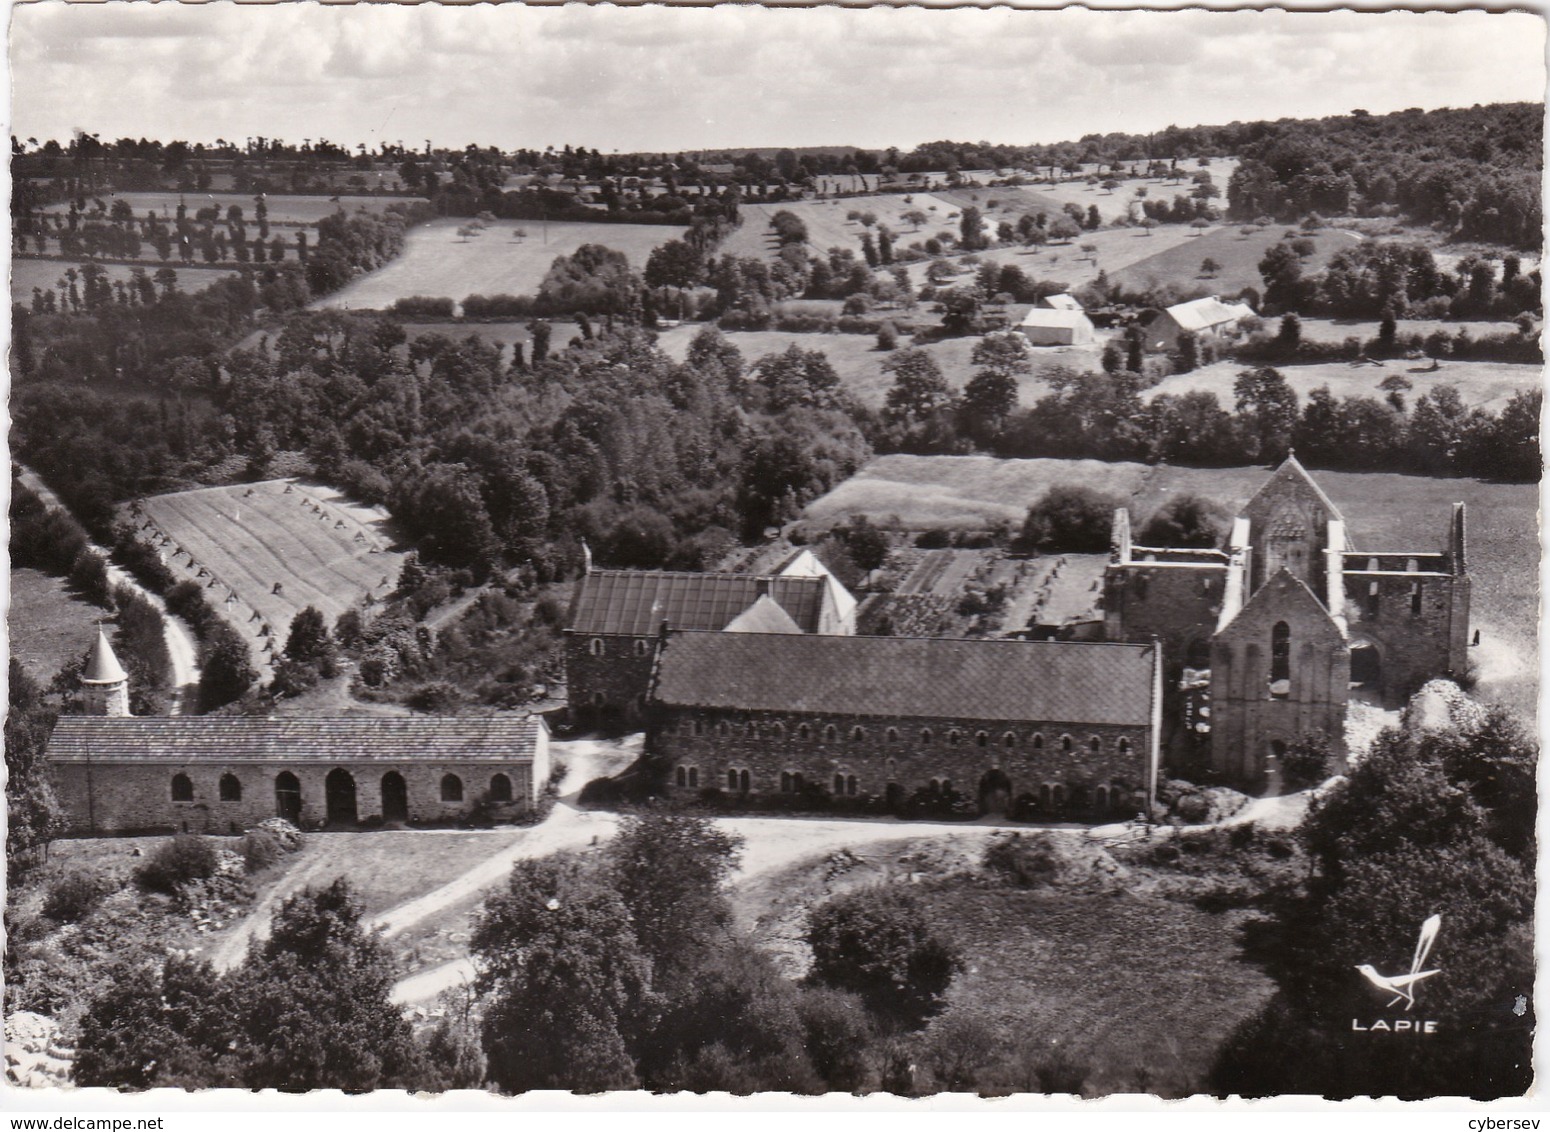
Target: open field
827	227
48	626
1113	249
1092	976
1490	385
436	262
318	548
1383	511
46	273
1339	329
282	209
1237	255
858	361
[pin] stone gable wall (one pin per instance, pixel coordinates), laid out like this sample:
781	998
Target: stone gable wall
621	675
1414	645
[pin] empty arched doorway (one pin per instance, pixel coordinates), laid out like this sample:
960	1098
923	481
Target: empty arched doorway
339	790
395	797
995	792
287	797
1366	666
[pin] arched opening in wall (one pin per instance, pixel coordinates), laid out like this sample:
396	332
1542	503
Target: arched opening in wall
451	788
1101	797
339	797
182	788
596	647
500	788
1198	654
1058	797
830	734
742	781
1046	797
995	792
1081	798
1366	666
231	788
395	797
839	784
1280	661
287	797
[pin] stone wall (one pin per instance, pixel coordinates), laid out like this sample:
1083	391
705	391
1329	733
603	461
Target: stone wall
1418	623
890	751
607	677
138	797
1176	604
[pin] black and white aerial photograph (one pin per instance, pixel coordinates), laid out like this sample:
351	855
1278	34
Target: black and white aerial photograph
771	559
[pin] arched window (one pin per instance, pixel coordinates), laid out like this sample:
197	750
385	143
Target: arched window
1038	741
598	699
1280	660
1124	746
796	782
724	729
1045	796
451	788
1094	744
936	788
182	788
742	781
953	737
893	735
500	788
694	777
947	784
830	734
1065	744
1058	796
732	780
642	647
858	734
804	732
925	736
231	788
681	776
850	784
750	730
597	647
777	730
839	784
698	727
1009	739
785	782
981	739
1415	599
1103	798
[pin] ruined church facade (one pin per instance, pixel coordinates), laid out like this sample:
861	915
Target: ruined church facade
1272	636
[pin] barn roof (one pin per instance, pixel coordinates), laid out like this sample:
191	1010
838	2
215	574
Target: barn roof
1203	314
1062	302
636	602
352	739
763	616
910	677
1044	316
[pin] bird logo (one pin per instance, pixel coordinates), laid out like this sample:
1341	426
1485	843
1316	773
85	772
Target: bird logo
1402	987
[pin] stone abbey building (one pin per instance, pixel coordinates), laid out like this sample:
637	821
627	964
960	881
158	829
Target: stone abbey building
1269	639
117	773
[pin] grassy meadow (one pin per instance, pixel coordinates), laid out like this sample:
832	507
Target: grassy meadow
46	273
252	536
437	262
47	624
1237	256
1488	385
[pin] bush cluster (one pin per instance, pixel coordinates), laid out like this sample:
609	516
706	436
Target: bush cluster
182	860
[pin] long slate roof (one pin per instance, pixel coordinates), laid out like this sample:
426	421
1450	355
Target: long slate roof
352	739
636	602
910	677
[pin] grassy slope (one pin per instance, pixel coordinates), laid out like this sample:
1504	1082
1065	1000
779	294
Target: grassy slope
1238	256
48	625
1486	384
827	227
1383	511
1120	983
436	262
251	542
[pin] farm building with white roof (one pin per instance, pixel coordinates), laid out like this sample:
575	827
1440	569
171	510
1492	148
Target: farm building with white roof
1199	316
1062	302
1043	327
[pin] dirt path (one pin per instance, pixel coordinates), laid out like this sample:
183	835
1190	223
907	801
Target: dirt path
180	639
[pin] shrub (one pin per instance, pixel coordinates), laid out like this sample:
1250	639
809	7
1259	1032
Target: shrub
260	849
1022	861
1193	808
888	337
72	897
1070	518
1306	762
935	539
424	306
186	858
1184	521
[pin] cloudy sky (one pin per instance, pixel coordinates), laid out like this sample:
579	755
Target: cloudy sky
665	79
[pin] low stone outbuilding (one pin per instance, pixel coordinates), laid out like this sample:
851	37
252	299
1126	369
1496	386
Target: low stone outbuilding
212	774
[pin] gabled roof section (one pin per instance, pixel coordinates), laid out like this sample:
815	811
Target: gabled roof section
102	666
1279	599
344	740
763	616
1062	302
910	677
1204	314
636	602
1294	474
1062	317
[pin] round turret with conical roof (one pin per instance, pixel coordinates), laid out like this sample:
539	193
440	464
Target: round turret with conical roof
104	684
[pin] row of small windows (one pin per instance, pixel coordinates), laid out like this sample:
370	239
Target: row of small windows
599	647
831	734
1051	795
230	788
